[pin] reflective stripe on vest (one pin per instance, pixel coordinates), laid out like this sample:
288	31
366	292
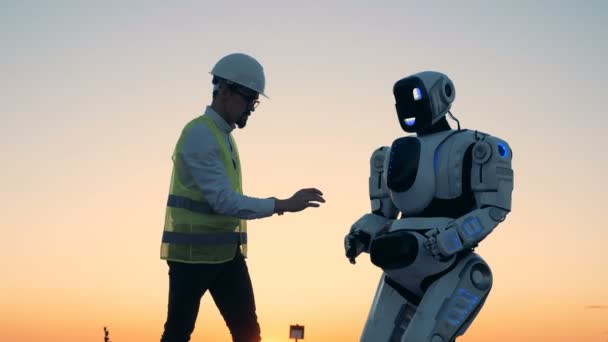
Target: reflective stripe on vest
182	202
204	239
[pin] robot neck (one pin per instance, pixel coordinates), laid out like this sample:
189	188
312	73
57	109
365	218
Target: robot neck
439	126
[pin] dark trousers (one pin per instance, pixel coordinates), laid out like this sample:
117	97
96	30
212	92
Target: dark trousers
230	287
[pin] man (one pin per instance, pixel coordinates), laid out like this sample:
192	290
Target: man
205	235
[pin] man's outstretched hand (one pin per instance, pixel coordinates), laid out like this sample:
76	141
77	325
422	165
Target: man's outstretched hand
301	200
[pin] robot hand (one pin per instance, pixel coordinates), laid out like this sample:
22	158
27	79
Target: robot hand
355	243
358	240
442	244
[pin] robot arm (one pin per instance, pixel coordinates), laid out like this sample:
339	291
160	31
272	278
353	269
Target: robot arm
492	185
378	192
382	207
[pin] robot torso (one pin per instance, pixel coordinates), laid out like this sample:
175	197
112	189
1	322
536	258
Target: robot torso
428	176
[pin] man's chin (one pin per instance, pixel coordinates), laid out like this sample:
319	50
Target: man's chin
242	121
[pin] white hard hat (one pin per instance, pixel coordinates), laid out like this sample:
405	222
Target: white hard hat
241	69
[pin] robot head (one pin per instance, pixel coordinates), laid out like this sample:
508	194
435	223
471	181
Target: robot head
423	99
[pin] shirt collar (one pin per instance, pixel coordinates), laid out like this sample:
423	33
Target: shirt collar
221	124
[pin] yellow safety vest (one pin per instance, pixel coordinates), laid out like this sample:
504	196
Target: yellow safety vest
193	232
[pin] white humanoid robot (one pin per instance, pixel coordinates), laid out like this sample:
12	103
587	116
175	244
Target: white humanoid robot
452	187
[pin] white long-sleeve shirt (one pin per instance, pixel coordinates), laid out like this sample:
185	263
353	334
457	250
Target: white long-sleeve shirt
204	168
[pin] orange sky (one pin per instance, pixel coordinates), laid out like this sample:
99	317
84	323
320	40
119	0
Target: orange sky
93	99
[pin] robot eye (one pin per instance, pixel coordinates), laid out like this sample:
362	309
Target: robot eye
410	121
417	94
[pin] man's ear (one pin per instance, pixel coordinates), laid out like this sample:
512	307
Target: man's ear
222	90
225	90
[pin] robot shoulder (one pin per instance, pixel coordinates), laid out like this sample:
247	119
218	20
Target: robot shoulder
492	173
450	162
491	149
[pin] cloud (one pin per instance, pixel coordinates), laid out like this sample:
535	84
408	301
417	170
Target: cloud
601	307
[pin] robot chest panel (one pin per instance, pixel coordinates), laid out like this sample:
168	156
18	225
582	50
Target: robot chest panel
410	174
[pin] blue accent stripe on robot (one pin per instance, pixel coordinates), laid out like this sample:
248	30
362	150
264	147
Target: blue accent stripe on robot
472	227
460	306
450	241
436	159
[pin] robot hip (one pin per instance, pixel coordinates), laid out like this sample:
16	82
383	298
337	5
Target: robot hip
403	258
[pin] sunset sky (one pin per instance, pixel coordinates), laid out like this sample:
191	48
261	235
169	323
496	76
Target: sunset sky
93	96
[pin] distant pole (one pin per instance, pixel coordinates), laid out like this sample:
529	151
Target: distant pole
106	335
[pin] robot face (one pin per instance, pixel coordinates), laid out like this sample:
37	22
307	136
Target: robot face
413	104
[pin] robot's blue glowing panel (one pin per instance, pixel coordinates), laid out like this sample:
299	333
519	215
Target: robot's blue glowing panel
450	241
503	151
410	121
460	307
472	227
417	94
